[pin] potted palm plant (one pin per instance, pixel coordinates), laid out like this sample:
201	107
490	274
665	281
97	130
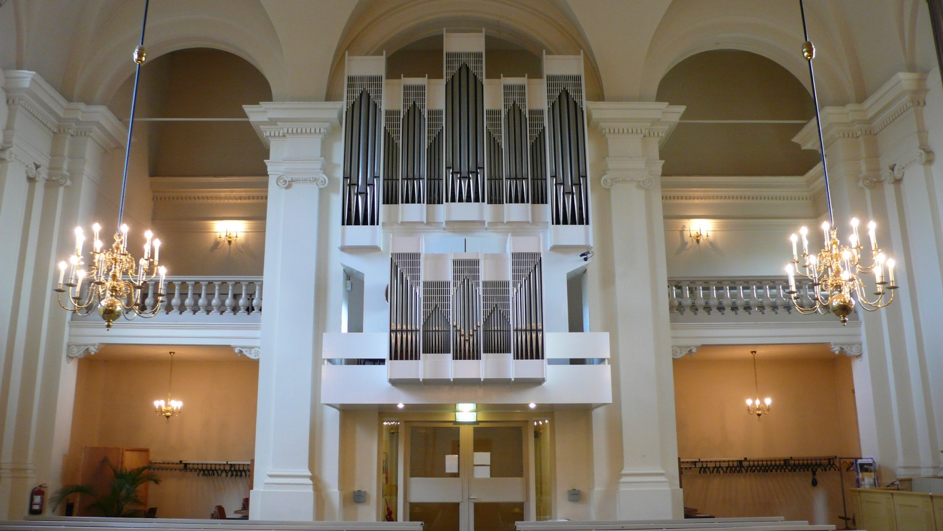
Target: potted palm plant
120	499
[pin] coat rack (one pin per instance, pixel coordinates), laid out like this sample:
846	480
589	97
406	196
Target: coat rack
229	469
759	466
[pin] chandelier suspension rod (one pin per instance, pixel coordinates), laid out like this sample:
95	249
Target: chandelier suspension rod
170	381
756	382
818	118
134	98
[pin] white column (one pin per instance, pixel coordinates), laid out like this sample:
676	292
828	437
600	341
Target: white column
51	153
283	488
648	485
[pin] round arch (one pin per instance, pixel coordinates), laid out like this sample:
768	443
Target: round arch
255	42
689	29
375	27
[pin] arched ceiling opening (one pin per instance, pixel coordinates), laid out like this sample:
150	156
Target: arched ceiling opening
535	26
198	83
733	85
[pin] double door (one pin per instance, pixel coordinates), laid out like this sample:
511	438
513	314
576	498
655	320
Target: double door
466	477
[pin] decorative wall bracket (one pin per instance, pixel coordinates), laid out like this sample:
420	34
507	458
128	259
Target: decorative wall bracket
74	352
852	350
682	351
253	353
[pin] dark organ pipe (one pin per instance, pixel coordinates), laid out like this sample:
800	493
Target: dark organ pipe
465	143
361	165
570	194
497	320
515	144
391	157
527	302
538	168
495	171
436	329
434	195
466	324
404	306
412	156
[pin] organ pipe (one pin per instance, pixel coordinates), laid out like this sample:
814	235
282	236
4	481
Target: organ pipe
569	190
527	306
413	155
361	161
405	310
464	139
516	155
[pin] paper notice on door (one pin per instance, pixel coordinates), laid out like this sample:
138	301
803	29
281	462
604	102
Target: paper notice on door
482	458
482	471
451	464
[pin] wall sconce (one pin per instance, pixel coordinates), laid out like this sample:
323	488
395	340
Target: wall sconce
228	231
699	229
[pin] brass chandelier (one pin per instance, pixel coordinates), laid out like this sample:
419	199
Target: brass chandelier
168	408
754	406
113	280
835	273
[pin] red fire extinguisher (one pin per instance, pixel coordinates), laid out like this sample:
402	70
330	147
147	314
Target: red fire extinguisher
37	499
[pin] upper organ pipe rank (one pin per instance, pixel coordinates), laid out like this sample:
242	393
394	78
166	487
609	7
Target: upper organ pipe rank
515	144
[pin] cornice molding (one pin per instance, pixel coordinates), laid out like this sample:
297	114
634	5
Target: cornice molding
76	351
643	119
27	91
282	120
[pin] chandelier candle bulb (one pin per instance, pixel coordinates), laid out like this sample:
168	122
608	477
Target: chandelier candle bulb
124	237
854	228
78	285
874	241
805	240
792	278
62	267
794	239
156	250
826	228
890	273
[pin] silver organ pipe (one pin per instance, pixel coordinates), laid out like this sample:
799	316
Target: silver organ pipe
495	157
413	155
464	127
361	169
434	162
405	310
537	153
516	165
466	313
436	317
567	145
527	306
496	308
391	157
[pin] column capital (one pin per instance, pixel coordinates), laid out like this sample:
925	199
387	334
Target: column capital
283	120
632	118
638	170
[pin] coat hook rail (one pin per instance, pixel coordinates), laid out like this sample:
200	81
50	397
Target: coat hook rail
229	469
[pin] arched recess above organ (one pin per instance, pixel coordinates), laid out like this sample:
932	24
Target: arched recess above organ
536	27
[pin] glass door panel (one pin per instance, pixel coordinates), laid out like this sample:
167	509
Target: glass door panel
433	452
436	516
497	516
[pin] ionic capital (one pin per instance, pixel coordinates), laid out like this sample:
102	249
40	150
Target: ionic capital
253	353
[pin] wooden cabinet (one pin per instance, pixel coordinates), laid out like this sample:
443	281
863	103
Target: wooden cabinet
96	472
893	510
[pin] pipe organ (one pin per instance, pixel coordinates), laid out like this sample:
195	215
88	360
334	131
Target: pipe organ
466	311
466	149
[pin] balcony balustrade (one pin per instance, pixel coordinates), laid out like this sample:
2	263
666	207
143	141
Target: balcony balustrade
734	296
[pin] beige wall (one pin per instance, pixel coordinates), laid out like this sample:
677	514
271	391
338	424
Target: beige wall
813	414
813	408
114	407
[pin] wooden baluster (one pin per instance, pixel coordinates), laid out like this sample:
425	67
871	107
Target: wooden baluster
244	299
203	300
230	301
174	306
216	300
188	303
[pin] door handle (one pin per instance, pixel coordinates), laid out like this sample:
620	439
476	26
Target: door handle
473	497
